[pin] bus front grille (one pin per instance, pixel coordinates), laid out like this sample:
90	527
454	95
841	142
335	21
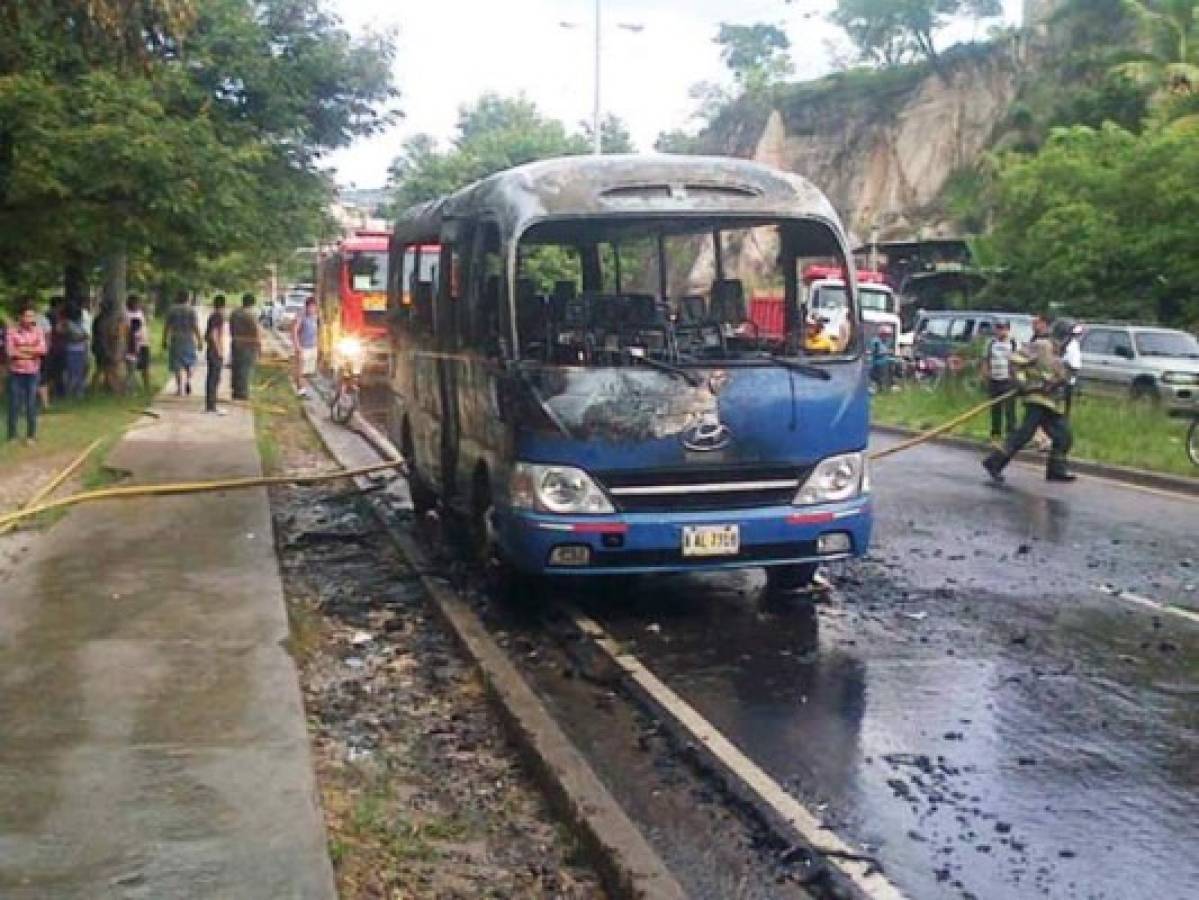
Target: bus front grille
699	489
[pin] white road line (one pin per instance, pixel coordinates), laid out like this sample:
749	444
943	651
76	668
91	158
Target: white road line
744	771
1146	602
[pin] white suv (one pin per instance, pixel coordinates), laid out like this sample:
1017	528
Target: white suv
1156	364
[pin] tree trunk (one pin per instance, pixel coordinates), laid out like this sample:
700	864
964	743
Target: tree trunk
116	323
74	280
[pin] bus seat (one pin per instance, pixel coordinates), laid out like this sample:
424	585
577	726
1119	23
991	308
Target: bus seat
642	311
728	302
531	321
692	310
607	310
645	324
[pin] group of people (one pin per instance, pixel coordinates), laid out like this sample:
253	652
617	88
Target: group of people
231	338
1044	374
47	355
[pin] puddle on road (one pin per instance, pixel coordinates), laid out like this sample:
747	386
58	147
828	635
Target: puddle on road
986	748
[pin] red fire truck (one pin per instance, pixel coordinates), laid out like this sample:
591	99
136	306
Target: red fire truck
354	299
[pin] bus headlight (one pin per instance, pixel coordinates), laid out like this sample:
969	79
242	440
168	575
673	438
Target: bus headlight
557	489
833	480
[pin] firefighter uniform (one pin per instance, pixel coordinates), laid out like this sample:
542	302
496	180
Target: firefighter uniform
1042	380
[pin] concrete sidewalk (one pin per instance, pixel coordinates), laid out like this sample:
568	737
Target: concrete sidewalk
152	736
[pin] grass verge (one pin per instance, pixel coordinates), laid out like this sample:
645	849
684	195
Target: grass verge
1105	430
71	425
272	397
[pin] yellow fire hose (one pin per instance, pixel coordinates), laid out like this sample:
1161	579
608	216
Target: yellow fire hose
54	483
35	506
198	487
926	436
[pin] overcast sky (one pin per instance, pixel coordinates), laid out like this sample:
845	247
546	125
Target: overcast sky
451	51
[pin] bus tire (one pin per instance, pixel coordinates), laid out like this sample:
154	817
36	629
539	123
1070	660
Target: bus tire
790	578
503	580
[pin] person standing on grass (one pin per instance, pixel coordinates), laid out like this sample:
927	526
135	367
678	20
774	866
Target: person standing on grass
3	355
49	370
214	353
25	345
140	364
180	336
75	341
305	332
1072	357
997	370
247	345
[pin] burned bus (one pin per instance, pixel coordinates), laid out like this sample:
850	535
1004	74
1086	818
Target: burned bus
584	384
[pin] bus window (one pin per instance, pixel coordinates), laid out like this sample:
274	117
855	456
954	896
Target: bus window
446	312
487	274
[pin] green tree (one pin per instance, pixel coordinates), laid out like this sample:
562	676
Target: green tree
758	55
210	142
1101	220
493	133
615	136
1168	60
892	32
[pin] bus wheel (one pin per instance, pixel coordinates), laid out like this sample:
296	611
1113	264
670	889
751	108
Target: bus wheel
788	579
483	548
504	581
423	498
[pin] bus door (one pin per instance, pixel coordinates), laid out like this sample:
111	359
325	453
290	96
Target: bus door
455	246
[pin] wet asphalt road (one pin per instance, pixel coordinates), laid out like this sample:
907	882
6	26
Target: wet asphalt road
971	703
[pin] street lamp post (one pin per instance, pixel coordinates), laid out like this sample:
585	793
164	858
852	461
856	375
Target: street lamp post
597	109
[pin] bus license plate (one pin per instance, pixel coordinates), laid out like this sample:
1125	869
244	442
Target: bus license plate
711	540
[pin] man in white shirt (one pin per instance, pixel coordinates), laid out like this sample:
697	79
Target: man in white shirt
997	366
1072	359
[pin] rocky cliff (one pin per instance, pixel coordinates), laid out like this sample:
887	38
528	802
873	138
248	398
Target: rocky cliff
883	144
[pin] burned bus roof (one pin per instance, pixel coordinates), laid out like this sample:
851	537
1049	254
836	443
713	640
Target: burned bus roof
652	185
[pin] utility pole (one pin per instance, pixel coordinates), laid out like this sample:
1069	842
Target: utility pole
596	137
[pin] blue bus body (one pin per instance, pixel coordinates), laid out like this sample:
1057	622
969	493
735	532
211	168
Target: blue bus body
625	453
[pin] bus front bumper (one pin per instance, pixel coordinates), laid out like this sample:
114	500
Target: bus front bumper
637	543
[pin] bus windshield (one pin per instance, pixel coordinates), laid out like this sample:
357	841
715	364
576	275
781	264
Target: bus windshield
680	292
368	271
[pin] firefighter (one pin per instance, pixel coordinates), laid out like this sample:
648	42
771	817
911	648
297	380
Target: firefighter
1042	379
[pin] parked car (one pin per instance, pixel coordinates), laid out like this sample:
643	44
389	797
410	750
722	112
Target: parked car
1159	365
292	306
943	333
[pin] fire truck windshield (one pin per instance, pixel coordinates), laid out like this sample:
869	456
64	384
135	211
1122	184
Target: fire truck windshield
368	271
